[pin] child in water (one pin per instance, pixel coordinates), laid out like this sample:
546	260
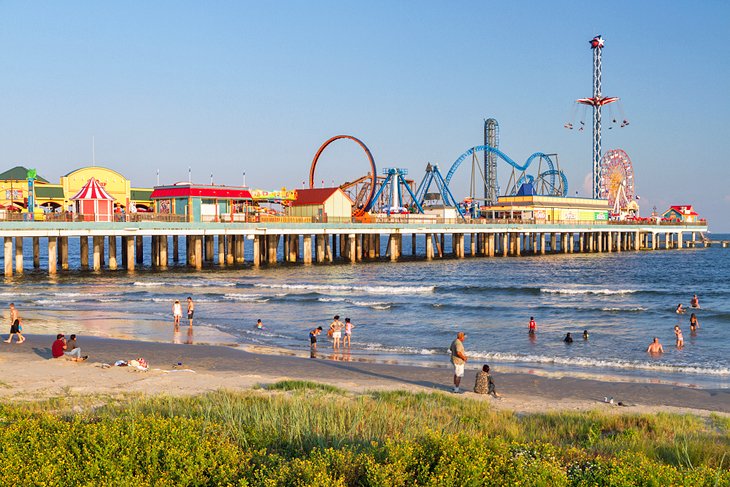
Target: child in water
259	325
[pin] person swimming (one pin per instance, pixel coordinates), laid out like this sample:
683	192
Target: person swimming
585	334
568	338
680	309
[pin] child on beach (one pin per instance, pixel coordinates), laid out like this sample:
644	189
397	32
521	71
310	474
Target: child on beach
678	334
336	332
348	332
313	337
259	324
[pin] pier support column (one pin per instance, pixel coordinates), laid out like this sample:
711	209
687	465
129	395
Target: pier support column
654	241
8	256
679	240
564	242
62	247
609	242
505	244
581	242
553	242
229	246
429	246
307	251
359	244
542	244
139	251
163	246
175	248
84	252
413	244
518	244
393	244
112	252
208	239
637	240
221	250
36	252
240	249
256	250
490	244
129	244
472	244
667	241
96	265
273	244
52	254
154	251
19	255
198	251
318	248
351	248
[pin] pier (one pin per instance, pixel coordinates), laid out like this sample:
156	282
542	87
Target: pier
118	246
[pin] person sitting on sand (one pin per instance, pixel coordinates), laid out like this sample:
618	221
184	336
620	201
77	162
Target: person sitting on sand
568	338
59	349
693	323
532	327
678	334
484	383
655	348
680	309
695	302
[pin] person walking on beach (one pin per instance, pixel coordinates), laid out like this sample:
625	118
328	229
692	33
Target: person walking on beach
458	359
348	332
680	338
655	348
16	326
484	383
532	327
191	310
176	313
336	328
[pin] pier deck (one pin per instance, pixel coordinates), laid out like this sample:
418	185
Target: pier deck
271	242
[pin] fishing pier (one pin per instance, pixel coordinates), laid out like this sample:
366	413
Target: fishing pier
126	246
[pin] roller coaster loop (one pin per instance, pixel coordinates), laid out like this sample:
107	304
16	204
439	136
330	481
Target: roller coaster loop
551	172
373	174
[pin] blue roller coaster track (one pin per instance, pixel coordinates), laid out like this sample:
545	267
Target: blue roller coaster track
548	175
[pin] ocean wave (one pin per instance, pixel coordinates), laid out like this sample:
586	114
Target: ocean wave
344	288
587	291
211	283
638	309
378	347
248	298
331	300
148	284
53	301
602	363
379	305
474	289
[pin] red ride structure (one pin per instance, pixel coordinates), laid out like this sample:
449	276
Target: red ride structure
373	173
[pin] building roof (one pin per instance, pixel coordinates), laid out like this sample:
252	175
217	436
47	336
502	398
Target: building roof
316	196
19	173
49	191
140	194
187	190
685	210
92	190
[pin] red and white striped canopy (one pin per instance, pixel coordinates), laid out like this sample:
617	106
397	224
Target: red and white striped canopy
92	190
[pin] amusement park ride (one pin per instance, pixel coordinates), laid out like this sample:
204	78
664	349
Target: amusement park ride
613	177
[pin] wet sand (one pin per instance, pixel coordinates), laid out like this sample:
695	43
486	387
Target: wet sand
29	373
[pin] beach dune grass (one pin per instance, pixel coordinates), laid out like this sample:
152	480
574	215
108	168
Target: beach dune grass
304	434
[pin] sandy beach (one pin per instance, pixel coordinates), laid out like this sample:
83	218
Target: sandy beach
29	374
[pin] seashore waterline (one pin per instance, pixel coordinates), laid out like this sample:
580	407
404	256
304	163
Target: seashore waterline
409	312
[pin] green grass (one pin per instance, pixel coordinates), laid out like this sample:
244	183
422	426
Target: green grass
305	433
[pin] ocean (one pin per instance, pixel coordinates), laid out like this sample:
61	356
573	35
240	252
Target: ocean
409	312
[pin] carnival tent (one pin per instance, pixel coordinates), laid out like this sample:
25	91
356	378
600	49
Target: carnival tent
93	202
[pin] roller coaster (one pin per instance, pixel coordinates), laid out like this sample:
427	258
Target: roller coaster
551	182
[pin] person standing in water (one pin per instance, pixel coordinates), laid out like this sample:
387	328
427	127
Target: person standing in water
693	323
680	338
655	348
695	302
348	332
191	310
176	313
532	327
336	327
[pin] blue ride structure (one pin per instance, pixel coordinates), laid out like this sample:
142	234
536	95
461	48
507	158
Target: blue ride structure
551	182
434	176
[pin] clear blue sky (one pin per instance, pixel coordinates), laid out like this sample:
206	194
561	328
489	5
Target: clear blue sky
224	87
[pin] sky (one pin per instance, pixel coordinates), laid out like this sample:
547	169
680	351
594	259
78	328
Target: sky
227	88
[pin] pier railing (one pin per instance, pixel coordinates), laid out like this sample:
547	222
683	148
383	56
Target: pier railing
413	219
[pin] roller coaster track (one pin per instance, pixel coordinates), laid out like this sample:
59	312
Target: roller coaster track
551	173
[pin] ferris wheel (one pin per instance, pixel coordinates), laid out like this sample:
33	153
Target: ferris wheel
617	180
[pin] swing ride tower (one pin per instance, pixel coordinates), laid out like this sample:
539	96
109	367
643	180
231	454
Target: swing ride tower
597	101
